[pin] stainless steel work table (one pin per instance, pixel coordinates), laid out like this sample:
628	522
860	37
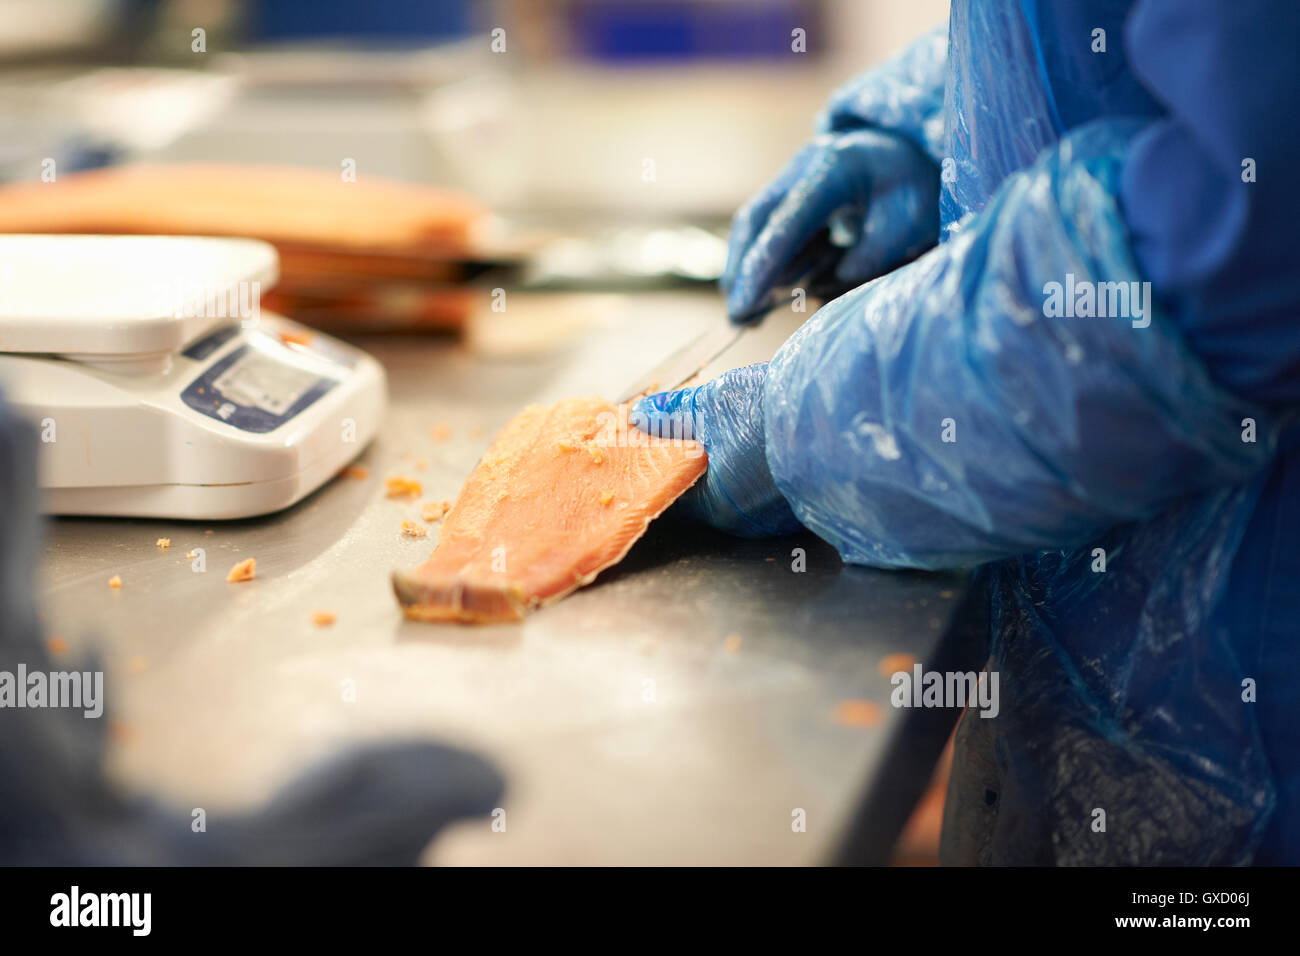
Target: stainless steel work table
628	727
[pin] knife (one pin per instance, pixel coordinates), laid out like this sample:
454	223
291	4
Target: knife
816	262
686	362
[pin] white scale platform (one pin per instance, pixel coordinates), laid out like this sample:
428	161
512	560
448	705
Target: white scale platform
159	389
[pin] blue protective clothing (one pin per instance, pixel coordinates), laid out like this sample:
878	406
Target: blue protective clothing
1129	483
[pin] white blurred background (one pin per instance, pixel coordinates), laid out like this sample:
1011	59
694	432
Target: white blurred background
563	124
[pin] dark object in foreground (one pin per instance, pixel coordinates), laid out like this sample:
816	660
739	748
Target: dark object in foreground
371	806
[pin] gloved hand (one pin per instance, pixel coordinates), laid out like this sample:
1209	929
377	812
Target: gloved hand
859	199
904	95
849	207
737	493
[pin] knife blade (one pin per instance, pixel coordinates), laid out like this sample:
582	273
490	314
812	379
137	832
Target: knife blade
686	362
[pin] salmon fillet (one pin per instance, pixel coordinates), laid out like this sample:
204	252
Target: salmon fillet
284	205
371	254
562	494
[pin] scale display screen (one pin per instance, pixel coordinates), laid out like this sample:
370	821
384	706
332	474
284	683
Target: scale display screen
261	382
255	391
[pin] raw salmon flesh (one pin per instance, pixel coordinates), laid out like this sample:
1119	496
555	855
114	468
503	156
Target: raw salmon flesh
562	494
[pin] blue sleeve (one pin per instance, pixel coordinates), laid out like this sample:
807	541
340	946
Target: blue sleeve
903	95
965	407
1209	191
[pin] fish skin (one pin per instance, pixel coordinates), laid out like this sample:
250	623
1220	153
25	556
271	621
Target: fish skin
533	522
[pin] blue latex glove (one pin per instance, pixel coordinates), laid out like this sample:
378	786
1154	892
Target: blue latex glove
903	95
860	198
725	415
873	194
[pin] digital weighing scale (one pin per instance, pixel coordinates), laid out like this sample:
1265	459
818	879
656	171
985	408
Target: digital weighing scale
158	386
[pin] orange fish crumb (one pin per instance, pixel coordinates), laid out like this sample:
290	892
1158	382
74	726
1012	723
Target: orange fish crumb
322	618
163	543
891	664
606	497
290	337
115	581
360	472
57	645
412	530
243	571
400	486
434	510
857	713
440	433
731	643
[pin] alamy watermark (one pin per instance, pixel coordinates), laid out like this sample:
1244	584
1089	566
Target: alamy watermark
79	690
917	688
75	908
1085	299
184	301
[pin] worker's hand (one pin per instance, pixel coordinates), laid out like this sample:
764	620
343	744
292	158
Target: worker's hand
737	493
851	206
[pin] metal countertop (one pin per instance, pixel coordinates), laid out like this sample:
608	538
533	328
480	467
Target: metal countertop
629	729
